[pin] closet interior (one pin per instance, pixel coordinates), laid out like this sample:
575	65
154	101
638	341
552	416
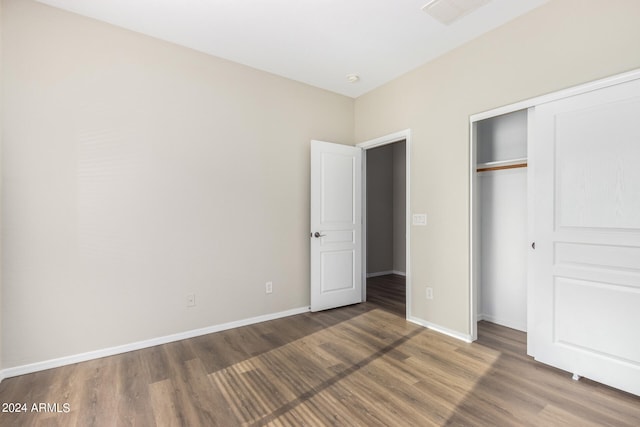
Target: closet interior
500	219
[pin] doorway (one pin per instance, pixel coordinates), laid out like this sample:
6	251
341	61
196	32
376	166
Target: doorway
386	190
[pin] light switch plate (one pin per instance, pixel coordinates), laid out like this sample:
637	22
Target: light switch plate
419	219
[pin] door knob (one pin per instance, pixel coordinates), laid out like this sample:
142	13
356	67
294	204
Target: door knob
317	234
533	245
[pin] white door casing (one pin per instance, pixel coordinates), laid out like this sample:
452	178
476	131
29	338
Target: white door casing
336	225
584	294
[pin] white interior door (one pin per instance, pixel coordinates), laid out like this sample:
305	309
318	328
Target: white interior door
336	231
585	289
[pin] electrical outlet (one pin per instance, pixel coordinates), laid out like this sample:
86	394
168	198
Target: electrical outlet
268	287
429	293
191	300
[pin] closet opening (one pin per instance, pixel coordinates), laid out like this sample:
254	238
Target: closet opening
499	220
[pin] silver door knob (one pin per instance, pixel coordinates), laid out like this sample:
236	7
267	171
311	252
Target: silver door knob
317	234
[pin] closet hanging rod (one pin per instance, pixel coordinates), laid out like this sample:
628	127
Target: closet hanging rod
497	168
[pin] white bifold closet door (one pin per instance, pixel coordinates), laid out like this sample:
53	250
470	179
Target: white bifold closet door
584	298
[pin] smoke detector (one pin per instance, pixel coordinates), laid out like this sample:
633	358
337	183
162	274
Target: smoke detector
449	11
353	78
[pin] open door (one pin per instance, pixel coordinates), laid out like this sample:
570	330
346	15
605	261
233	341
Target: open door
336	225
585	292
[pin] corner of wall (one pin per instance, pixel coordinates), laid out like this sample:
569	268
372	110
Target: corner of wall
160	130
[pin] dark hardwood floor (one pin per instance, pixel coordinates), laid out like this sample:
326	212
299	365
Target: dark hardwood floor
357	365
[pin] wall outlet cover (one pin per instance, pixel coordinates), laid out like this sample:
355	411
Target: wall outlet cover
429	293
419	219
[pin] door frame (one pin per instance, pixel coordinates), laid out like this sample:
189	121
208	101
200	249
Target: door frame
403	135
473	187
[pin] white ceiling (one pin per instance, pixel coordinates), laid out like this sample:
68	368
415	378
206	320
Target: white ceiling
317	42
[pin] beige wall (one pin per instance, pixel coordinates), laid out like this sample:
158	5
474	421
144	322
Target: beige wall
561	44
380	209
137	172
399	207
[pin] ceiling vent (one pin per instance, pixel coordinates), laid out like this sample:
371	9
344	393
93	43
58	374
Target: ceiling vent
449	11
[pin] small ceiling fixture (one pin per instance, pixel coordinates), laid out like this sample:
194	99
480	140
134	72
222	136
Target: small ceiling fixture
353	78
449	11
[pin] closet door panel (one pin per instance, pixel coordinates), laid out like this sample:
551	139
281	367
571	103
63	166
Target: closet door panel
585	289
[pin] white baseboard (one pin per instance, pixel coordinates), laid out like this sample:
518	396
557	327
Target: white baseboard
83	357
503	322
440	329
385	273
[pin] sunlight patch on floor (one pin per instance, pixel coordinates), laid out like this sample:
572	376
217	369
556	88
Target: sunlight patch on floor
370	365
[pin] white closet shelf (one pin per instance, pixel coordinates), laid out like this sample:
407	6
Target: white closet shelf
502	164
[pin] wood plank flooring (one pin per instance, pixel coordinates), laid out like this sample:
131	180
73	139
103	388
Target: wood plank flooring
357	365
